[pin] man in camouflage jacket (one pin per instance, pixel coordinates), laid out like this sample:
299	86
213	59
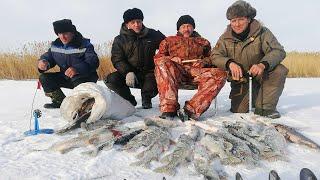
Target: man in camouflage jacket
172	69
247	47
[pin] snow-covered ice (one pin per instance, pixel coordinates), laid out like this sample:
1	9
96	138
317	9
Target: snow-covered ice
299	106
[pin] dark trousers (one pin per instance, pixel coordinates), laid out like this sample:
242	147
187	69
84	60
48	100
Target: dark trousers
54	81
265	92
146	82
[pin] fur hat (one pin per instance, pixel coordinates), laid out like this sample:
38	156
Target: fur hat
64	25
132	14
241	9
185	19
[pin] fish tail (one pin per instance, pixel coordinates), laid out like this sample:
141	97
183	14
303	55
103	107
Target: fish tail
166	158
140	155
165	169
91	153
141	163
137	163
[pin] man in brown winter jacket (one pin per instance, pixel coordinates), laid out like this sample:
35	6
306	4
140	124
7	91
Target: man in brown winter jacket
247	47
173	68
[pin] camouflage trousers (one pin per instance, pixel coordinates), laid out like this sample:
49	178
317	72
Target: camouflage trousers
265	92
170	75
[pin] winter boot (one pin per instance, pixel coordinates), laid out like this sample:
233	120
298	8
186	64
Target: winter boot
273	114
186	115
168	115
273	175
57	97
132	100
307	174
146	103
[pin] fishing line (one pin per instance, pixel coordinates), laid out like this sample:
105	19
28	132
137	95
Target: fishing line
32	104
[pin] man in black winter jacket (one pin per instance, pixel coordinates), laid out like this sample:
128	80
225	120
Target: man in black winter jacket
132	55
76	58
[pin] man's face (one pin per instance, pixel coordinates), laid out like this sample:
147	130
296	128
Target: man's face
135	25
239	24
186	30
65	37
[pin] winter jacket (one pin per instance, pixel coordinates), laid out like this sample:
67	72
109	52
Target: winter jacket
132	52
79	54
259	46
186	48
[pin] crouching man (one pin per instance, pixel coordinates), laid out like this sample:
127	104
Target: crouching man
132	55
75	57
180	61
247	47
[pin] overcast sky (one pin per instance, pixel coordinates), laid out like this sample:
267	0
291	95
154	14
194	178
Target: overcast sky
296	24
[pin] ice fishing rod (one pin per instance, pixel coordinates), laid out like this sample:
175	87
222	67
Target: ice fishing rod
36	114
32	104
247	78
250	92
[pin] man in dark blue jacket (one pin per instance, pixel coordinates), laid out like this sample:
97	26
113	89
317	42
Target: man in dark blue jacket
76	58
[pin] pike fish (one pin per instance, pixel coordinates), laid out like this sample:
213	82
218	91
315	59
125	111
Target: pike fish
122	136
219	147
100	123
243	131
202	163
240	149
153	151
156	121
146	138
181	153
83	113
294	136
95	138
273	139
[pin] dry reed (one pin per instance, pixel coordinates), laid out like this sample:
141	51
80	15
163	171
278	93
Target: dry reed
21	64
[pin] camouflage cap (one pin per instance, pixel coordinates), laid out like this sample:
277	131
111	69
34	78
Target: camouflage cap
241	8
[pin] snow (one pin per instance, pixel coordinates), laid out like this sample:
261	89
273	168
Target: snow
299	106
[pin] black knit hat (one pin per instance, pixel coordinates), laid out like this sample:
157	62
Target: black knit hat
64	25
241	9
185	19
132	14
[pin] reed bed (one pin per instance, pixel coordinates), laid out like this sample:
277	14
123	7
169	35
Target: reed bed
21	64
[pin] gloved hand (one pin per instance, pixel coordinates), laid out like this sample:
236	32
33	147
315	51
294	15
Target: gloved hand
131	79
43	65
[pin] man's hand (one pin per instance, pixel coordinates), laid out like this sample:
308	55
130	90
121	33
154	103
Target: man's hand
198	63
131	79
70	72
43	65
257	69
177	60
236	71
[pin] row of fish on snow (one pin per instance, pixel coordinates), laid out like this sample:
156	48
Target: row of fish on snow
231	142
207	146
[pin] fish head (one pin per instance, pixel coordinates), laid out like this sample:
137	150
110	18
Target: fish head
71	105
